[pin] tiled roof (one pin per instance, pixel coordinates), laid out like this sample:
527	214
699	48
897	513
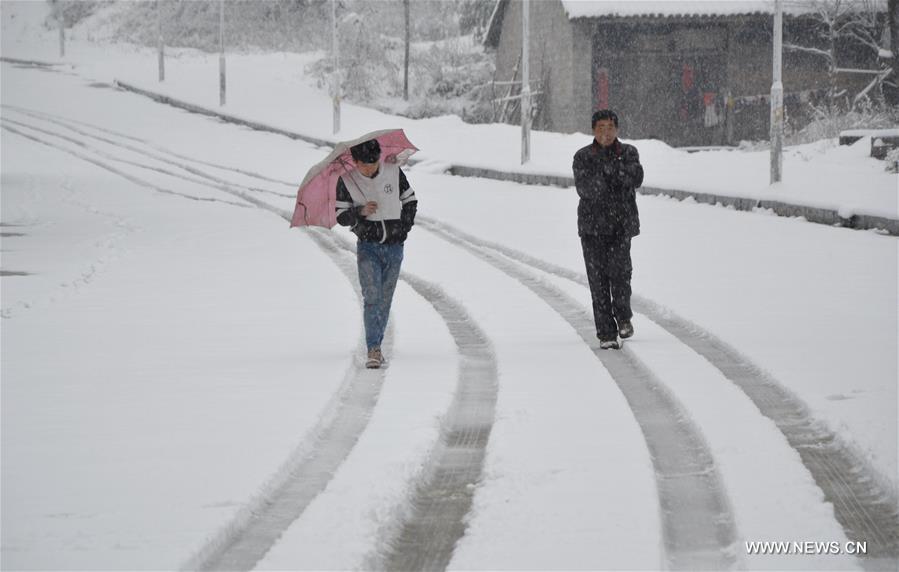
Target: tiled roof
677	9
682	8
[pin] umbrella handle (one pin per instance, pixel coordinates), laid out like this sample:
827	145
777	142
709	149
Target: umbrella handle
305	212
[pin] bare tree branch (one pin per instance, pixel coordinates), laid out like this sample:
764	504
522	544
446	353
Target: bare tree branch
816	51
839	25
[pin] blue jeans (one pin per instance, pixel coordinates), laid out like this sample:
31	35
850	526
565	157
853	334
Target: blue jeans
379	269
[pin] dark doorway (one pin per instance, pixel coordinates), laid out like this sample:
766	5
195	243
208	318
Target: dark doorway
665	82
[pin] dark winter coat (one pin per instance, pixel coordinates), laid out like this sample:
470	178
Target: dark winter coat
390	231
606	180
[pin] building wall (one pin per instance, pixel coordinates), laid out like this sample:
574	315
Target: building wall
509	47
582	104
660	76
749	73
553	59
647	61
805	76
749	56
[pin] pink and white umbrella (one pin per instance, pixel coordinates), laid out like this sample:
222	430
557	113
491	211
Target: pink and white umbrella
316	196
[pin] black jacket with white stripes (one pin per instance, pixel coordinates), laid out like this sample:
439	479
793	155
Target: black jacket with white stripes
387	231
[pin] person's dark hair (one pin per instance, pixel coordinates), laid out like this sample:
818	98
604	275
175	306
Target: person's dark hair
367	152
604	114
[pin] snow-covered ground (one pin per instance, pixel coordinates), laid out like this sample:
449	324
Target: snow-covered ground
175	359
272	89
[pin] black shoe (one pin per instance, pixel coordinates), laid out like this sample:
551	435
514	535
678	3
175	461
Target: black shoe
610	343
625	329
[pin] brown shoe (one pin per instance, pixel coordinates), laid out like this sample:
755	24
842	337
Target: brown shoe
375	358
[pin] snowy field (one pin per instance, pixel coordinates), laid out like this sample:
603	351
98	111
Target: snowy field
180	371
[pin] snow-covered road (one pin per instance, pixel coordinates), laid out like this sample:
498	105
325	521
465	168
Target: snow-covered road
181	384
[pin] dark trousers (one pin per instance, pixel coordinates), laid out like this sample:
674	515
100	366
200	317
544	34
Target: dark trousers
608	261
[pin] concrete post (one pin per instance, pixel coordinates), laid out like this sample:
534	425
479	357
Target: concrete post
777	97
335	76
222	83
161	44
61	20
525	83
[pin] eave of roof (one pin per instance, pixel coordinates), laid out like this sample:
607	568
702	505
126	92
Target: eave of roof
648	11
701	8
491	38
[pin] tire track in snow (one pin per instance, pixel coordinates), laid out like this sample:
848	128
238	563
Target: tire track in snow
433	520
866	509
865	505
241	543
223	185
434	517
406	552
155	152
200	178
426	536
441	501
697	521
255	529
84	157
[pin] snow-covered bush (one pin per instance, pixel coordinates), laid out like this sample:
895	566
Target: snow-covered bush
474	16
448	73
827	123
366	66
452	77
892	161
446	70
745	145
285	25
74	11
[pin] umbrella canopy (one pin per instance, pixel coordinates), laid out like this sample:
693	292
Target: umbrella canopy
316	195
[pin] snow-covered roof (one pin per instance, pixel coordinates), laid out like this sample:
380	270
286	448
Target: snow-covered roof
673	8
677	9
894	132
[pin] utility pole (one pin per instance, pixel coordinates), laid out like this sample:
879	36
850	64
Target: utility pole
61	21
777	97
406	70
335	75
160	43
221	52
525	83
893	20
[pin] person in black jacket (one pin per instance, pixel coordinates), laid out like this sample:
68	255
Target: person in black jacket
377	203
606	174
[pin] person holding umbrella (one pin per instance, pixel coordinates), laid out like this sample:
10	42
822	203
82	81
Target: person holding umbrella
376	201
606	175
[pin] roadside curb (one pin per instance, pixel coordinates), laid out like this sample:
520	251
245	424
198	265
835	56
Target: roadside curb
36	63
219	115
812	214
